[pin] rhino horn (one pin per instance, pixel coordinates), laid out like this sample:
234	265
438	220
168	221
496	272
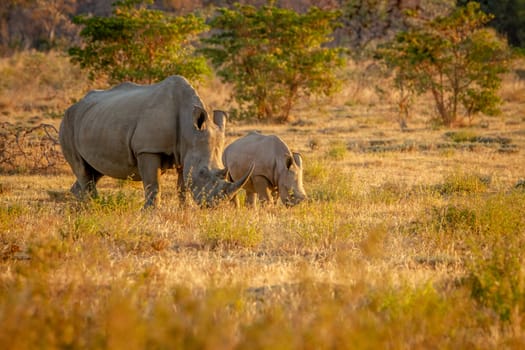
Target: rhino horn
222	174
233	187
222	190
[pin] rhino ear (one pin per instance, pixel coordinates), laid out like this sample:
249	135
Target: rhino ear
219	118
289	161
298	159
199	118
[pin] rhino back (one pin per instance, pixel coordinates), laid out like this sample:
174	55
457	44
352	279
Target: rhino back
112	126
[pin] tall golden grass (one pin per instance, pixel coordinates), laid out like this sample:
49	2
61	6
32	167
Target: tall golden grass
409	239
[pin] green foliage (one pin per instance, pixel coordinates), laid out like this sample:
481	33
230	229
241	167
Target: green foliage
509	18
455	58
139	44
273	56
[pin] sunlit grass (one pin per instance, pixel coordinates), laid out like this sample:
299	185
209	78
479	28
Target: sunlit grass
414	248
321	275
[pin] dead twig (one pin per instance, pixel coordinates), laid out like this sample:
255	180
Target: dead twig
29	149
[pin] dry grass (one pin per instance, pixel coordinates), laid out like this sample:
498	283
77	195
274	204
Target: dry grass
409	240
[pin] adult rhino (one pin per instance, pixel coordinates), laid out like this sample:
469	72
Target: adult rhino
138	131
277	169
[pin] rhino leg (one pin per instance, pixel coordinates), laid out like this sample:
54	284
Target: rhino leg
149	165
262	187
251	199
181	186
87	178
76	189
275	196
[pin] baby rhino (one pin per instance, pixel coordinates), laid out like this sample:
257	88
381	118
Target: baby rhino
277	170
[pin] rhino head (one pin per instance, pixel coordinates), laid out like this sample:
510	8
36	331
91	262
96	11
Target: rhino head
290	185
203	171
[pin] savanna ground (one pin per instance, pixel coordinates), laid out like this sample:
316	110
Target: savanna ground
409	239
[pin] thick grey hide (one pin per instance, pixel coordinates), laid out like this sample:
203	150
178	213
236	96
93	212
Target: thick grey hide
138	131
277	171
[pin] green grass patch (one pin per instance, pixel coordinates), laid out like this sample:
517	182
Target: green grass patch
462	136
224	228
498	252
389	192
453	218
328	181
463	183
492	230
120	200
337	150
319	224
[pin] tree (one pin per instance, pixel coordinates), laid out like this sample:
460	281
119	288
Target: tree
369	20
40	24
456	58
139	44
509	18
273	56
52	16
